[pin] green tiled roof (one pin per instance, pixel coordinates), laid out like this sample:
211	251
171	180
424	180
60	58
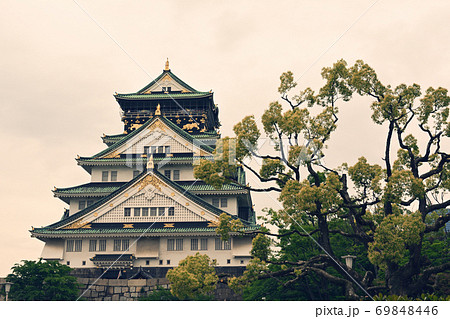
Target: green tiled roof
169	123
161	96
89	188
139	160
107	188
50	231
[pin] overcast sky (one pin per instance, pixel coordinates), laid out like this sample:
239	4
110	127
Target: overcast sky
59	71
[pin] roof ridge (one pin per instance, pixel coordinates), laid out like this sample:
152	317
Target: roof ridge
176	78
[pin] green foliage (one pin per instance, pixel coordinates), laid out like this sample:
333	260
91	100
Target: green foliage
194	279
422	297
227	225
393	237
45	281
367	210
261	247
159	294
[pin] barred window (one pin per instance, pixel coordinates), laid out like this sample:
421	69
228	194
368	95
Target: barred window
89	202
161	211
81	204
137	212
215	202
113	176
145	211
160	149
102	245
153	211
69	245
167	149
92	245
179	244
204	244
170	244
223	202
167	173
78	245
117	244
105	176
127	212
171	211
125	244
194	244
176	174
136	173
223	245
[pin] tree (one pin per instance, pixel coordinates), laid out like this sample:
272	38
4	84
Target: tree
38	280
382	207
194	279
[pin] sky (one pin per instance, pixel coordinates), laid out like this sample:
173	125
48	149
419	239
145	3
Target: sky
62	61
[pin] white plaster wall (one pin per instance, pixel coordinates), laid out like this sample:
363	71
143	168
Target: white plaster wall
222	256
124	174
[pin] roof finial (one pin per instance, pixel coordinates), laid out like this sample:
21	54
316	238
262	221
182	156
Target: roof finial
158	110
167	65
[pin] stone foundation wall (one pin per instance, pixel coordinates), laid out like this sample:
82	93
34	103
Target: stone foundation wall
118	289
94	289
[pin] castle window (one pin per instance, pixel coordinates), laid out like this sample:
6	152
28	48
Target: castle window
170	244
69	245
215	202
179	244
78	245
113	176
136	173
83	263
89	202
223	202
160	149
152	211
194	244
68	263
117	244
167	173
102	245
92	245
105	175
167	149
127	212
228	261
204	244
175	244
125	244
223	245
146	149
161	211
145	211
137	212
160	262
171	211
176	175
147	262
81	204
168	262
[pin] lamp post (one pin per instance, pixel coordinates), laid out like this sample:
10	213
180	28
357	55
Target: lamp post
349	260
7	288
